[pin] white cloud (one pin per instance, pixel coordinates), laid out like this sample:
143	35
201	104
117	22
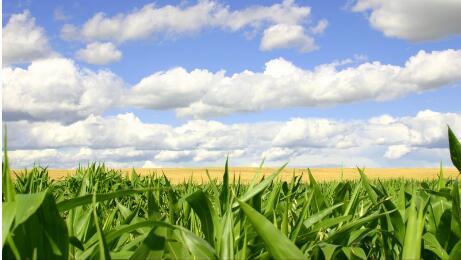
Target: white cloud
287	36
173	156
397	151
99	53
151	164
320	27
56	89
33	156
124	139
171	89
23	41
415	20
174	21
277	154
201	93
299	132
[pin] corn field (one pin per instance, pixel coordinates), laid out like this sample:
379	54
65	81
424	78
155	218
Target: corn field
98	213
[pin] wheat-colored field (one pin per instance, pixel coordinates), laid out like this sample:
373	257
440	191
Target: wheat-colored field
178	175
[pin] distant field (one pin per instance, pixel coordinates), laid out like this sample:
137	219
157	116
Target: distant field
177	175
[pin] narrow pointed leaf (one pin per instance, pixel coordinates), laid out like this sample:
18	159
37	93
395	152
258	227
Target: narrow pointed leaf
277	244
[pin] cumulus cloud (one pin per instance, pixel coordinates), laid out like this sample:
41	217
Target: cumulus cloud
277	153
287	36
413	20
125	139
173	156
99	53
171	89
285	23
57	89
151	164
397	151
201	93
23	41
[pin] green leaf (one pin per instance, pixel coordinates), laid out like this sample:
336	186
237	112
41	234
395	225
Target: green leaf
455	253
328	250
39	230
103	249
356	223
250	193
319	199
431	244
27	205
8	214
224	196
367	185
455	149
87	199
205	211
355	253
153	209
198	247
277	244
226	246
153	245
121	255
299	221
76	242
413	232
118	231
7	183
320	215
456	210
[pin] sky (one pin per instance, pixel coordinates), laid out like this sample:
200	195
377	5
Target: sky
368	83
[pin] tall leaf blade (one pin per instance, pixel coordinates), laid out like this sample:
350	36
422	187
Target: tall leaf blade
455	149
278	245
224	196
456	210
320	215
103	249
8	214
227	237
250	193
412	242
7	183
205	211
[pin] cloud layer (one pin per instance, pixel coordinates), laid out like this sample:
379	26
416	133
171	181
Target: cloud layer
284	24
80	92
414	20
127	141
99	53
201	93
23	41
57	89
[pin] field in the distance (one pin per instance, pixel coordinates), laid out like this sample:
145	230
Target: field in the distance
177	175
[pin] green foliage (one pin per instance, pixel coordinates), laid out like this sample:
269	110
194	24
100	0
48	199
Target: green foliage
455	149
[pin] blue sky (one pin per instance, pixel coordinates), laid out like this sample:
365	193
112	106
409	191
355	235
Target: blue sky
382	35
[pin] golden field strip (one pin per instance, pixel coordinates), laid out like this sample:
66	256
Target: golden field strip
178	175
